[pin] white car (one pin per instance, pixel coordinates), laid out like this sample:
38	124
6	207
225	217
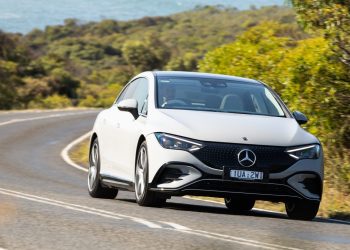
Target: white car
182	133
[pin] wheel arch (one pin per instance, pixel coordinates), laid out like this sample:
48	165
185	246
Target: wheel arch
142	138
93	137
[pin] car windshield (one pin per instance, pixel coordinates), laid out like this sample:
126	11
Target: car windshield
218	95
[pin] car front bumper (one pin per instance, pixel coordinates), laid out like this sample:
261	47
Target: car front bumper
176	172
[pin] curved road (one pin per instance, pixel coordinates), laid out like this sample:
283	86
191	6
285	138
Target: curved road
44	203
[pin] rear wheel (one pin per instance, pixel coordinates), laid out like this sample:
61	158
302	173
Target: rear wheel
302	210
94	179
144	197
239	204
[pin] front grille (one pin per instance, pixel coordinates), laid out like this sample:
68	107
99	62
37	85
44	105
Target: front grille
270	158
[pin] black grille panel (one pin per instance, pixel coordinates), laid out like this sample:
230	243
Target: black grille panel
270	158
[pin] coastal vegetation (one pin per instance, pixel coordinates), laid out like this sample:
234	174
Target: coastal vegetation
86	64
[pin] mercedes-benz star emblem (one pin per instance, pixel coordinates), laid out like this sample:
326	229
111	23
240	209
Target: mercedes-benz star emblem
246	158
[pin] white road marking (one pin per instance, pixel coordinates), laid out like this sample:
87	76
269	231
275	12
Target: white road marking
65	152
147	223
76	207
175	225
70	206
13	121
116	216
240	239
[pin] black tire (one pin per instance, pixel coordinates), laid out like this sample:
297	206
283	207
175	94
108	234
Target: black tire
302	210
239	204
96	190
144	196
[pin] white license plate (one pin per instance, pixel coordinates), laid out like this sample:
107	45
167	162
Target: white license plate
246	175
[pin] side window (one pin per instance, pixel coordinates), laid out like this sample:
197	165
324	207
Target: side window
141	94
144	110
128	91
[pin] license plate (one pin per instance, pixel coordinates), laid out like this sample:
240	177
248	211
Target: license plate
246	175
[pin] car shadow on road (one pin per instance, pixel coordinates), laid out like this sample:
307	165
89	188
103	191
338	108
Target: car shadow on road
217	209
214	209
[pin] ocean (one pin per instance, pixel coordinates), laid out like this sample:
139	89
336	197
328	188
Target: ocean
25	15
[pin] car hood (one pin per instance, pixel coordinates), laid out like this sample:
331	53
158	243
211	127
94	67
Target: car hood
230	127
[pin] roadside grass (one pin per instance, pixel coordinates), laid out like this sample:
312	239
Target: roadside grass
80	153
335	204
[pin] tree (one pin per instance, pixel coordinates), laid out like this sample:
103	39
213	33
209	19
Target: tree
331	18
255	54
305	73
32	88
138	55
147	55
315	82
11	61
8	84
188	62
63	83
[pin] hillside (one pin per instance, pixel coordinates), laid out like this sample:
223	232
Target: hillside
74	60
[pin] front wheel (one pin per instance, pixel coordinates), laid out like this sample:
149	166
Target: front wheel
94	180
302	210
144	197
239	204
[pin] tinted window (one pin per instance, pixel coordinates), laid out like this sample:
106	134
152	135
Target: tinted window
141	93
195	93
128	91
138	90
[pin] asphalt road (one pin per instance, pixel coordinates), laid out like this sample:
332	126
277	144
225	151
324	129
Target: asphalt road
44	203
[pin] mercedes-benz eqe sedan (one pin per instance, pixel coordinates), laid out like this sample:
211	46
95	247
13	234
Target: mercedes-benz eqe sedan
181	133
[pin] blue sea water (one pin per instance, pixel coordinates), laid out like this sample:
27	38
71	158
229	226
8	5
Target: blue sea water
24	15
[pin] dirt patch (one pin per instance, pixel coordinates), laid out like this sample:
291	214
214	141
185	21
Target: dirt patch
7	212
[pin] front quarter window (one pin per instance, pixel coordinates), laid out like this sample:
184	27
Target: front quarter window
275	105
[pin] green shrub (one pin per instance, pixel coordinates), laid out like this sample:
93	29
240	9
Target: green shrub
51	102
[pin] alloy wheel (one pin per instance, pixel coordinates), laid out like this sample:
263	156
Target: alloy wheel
141	172
92	176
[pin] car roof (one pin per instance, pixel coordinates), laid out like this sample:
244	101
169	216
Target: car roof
204	75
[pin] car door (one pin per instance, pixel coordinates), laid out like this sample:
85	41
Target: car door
130	129
122	132
110	143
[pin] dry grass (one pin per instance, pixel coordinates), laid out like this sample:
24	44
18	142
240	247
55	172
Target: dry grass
335	204
80	153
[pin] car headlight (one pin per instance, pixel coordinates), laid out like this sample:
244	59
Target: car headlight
305	152
178	143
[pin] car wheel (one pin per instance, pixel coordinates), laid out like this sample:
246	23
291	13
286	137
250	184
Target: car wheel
144	197
239	205
302	210
94	179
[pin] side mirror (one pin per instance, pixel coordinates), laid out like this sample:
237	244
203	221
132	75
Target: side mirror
300	117
129	105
